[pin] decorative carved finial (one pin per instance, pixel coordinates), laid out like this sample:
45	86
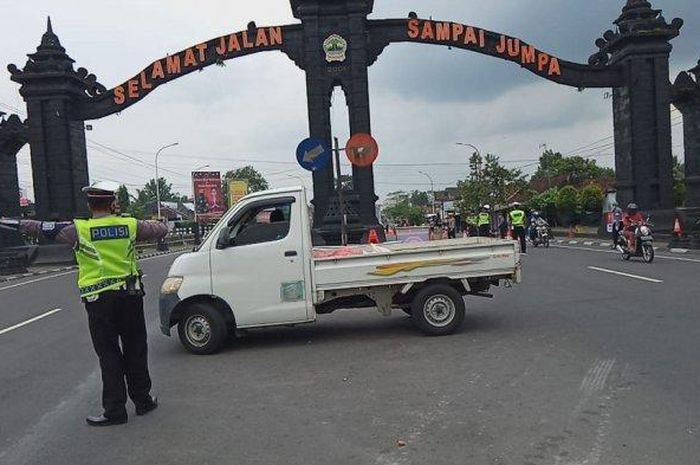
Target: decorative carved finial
696	72
639	21
49	41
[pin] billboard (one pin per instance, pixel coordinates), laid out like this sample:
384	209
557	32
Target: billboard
237	189
208	199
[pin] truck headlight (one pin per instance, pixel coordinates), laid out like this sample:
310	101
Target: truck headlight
171	285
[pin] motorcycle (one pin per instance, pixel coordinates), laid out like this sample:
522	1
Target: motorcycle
645	243
541	236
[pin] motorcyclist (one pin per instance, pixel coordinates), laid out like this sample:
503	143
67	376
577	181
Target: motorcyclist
630	221
617	216
536	221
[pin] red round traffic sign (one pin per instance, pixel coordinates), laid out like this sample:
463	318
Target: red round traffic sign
362	150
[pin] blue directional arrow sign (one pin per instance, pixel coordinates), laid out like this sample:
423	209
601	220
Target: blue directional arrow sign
313	154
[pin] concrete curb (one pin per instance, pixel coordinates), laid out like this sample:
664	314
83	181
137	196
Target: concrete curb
4	279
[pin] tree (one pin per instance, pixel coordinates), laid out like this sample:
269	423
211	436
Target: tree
546	203
591	199
123	197
489	182
146	198
149	194
400	209
420	199
256	181
556	170
567	200
679	190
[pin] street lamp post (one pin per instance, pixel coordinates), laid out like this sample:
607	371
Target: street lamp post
476	149
432	187
157	176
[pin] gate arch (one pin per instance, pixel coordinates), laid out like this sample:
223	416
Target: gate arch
633	60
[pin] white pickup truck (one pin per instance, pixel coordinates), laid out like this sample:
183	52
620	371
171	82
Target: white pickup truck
258	268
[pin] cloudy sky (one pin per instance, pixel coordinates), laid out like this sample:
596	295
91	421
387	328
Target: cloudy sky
424	98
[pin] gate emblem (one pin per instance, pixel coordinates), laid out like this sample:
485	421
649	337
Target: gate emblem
335	47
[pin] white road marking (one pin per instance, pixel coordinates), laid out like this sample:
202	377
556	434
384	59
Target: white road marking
627	275
58	275
32	281
588	243
597	376
592	386
31	320
664	257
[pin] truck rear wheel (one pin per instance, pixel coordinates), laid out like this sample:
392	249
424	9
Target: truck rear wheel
202	329
438	310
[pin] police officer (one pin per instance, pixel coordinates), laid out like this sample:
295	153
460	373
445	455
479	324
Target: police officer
110	286
483	221
517	221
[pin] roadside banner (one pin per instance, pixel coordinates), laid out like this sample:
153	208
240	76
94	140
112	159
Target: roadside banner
237	189
208	199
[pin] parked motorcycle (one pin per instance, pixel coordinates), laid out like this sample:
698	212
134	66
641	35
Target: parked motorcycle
645	243
541	236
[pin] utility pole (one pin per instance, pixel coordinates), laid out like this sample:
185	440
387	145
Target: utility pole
157	175
432	187
341	203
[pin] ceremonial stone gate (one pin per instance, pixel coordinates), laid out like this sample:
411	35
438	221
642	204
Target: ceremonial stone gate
335	44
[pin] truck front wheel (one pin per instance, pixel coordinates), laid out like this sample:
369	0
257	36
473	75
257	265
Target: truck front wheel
438	310
202	329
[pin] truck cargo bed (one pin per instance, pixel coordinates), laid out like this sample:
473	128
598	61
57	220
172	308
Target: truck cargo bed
402	263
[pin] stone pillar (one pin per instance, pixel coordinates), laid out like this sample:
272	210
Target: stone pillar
357	96
51	89
686	97
641	109
319	103
13	136
346	18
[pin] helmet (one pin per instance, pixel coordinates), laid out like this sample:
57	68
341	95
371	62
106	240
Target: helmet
633	208
536	214
515	204
487	207
101	189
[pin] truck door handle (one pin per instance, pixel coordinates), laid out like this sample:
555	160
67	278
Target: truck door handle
290	253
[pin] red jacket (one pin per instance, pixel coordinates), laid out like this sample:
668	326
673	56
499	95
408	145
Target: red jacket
629	220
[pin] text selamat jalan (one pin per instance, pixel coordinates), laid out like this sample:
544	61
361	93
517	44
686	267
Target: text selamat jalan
172	66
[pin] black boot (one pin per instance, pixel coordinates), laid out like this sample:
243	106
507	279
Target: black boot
145	407
102	420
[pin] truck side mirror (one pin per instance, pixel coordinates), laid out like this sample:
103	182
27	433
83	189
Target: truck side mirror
223	241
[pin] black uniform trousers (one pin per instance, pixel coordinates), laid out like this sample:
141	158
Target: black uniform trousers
484	230
519	233
114	317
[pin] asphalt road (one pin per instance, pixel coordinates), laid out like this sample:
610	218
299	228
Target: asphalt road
574	366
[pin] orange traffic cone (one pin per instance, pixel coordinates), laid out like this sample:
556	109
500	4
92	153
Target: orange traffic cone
373	237
677	228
